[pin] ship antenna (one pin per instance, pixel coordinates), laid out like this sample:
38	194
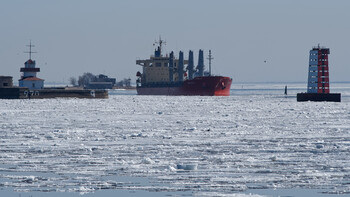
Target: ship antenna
210	57
30	49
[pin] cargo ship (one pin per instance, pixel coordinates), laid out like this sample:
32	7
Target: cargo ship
167	75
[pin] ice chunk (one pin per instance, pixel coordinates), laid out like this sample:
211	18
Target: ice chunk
147	161
273	158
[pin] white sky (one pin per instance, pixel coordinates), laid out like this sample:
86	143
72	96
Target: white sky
107	36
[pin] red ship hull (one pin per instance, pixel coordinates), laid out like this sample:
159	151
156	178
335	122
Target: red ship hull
199	86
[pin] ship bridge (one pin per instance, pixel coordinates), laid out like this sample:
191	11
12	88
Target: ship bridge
161	69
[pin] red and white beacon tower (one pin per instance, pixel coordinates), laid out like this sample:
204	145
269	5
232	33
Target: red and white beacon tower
318	81
318	78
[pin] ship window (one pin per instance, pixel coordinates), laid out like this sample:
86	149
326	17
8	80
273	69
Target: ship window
5	84
158	64
33	85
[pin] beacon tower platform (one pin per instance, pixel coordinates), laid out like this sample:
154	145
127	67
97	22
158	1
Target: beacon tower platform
318	78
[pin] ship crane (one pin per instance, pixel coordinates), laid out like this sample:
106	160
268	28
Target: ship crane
210	57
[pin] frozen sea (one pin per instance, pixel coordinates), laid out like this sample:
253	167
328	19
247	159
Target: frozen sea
256	142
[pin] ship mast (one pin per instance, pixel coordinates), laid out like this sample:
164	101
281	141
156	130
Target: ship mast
160	43
210	57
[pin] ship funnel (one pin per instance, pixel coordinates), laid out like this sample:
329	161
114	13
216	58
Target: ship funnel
171	67
190	66
180	69
200	66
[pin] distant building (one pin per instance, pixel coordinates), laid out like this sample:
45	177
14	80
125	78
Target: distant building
105	78
100	85
101	82
6	82
126	83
